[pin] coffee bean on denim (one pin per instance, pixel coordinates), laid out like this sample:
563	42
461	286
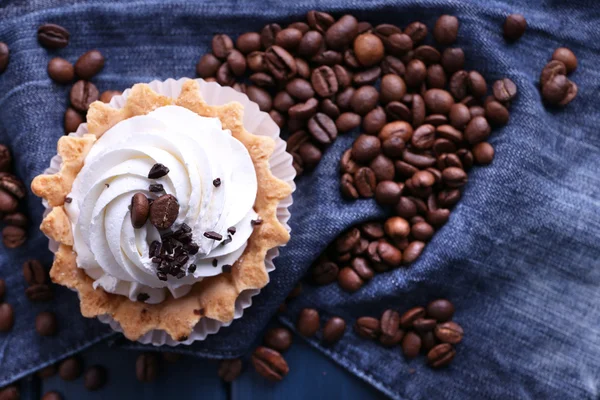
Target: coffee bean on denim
308	322
53	36
89	64
334	330
61	70
4	56
445	30
279	339
269	363
514	27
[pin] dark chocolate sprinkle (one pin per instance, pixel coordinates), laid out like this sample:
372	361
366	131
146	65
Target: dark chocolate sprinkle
185	238
156	260
156	187
182	260
192	268
161	276
68	199
217	182
192	248
256	221
231	230
180	274
155	248
226	268
213	235
185	228
215	262
227	241
142	296
107	185
166	235
158	171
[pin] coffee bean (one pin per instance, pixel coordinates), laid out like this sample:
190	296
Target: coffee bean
453	59
310	44
388	192
411	345
458	84
423	137
423	325
95	378
416	72
7	317
383	168
13	236
477	130
347	121
39	292
322	128
248	42
89	64
364	99
342	32
347	241
349	280
5	159
365	148
283	101
390	322
10	393
552	69
504	90
4	56
269	363
146	367
367	76
454	177
441	355
8	203
368	327
328	57
393	88
567	57
334	330
397	227
347	187
555	90
305	111
441	310
514	26
83	93
365	182
300	89
2	289
72	120
221	46
389	254
483	153
436	77
393	147
417	31
16	219
53	36
280	63
571	93
324	81
412	252
428	54
260	97
207	66
47	372
12	185
459	116
279	339
225	75
496	113
319	21
438	101
60	70
230	370
34	272
47	396
476	84
325	273
446	30
372	230
360	265
392	65
70	369
449	332
368	49
256	61
310	154
288	38
398	43
164	211
140	208
308	322
236	62
407	319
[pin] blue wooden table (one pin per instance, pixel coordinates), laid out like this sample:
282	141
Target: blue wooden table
312	376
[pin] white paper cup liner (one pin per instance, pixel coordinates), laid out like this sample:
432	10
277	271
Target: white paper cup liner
256	122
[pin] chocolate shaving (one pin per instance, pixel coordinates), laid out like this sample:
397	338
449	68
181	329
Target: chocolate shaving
192	268
256	221
213	235
215	262
68	199
227	241
156	187
231	230
142	296
157	171
217	182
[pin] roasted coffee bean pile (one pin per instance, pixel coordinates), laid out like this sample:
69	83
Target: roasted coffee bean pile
369	248
428	330
12	193
556	88
4	56
88	65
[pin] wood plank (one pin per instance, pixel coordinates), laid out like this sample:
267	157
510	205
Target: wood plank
188	378
312	376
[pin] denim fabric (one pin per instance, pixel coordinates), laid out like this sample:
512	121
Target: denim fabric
519	256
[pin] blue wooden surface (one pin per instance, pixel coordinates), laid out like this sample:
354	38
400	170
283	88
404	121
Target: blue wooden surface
312	376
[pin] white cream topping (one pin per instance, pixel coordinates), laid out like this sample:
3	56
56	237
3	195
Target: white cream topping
197	151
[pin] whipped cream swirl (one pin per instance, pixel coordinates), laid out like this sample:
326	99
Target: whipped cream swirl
197	151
